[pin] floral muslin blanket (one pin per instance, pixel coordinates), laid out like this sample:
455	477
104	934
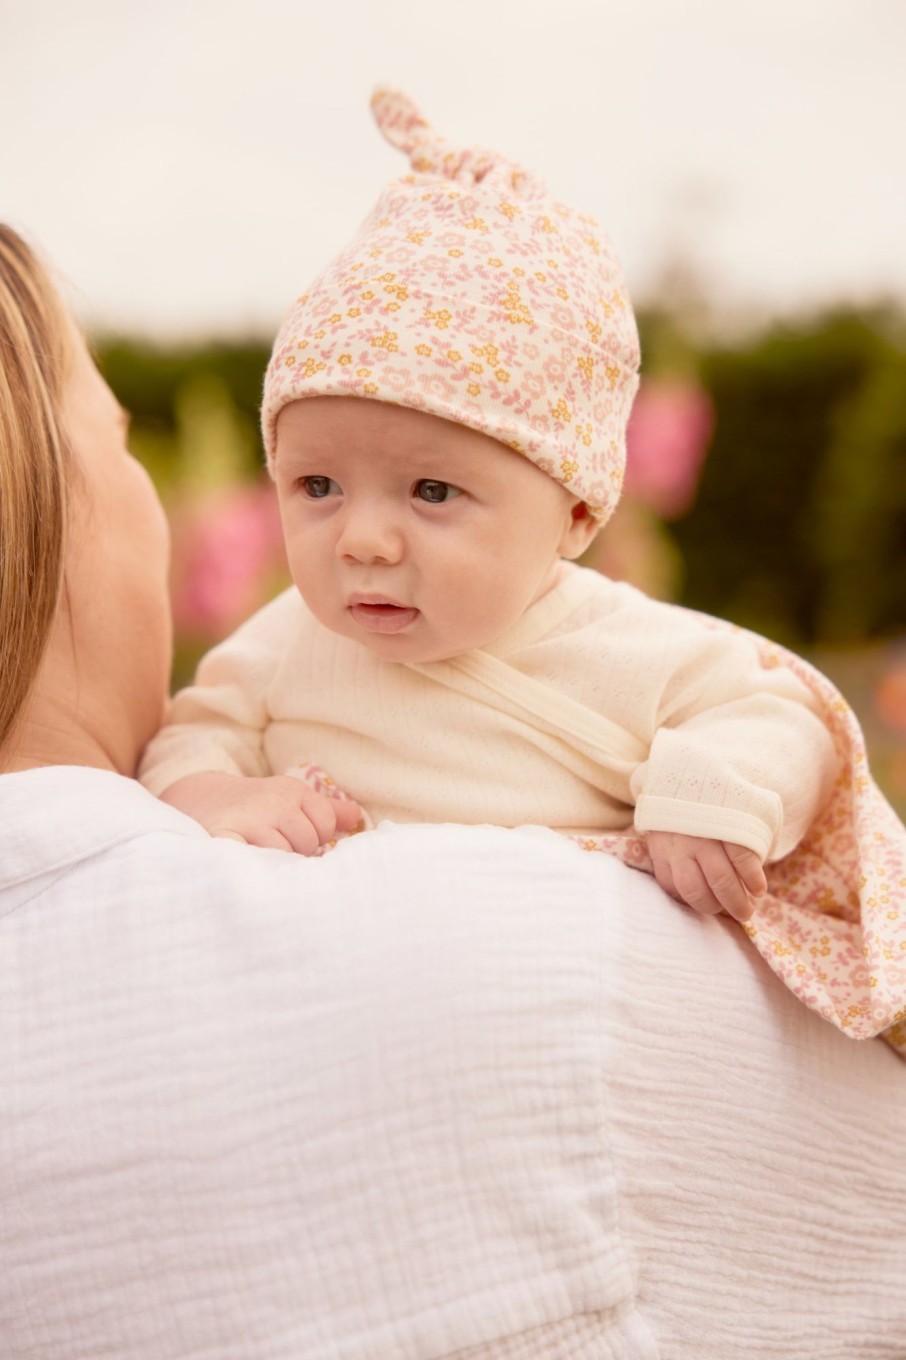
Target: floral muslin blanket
833	923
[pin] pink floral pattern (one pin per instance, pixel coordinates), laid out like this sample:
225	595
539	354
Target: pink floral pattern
833	925
470	293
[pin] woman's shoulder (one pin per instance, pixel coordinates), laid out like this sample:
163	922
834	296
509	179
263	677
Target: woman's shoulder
55	818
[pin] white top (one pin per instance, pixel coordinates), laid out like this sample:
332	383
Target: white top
600	708
424	1098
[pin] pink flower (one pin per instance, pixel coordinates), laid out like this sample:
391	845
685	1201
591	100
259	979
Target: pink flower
668	436
227	558
890	698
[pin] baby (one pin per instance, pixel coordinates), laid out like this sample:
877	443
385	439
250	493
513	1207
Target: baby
444	416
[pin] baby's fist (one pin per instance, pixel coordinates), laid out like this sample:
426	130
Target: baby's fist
275	812
709	876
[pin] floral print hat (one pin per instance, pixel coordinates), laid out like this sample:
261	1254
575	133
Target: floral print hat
471	294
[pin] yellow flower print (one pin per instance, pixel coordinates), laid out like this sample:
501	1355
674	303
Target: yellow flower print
586	365
303	297
454	252
384	222
454	356
476	368
424	350
477	224
613	372
334	319
594	330
354	311
418	238
303	344
313	366
519	272
552	264
495	263
516	310
542	278
593	244
345	359
391	306
489	352
375	254
320	334
387	278
501	375
546	225
363	372
563	293
370	389
509	210
386	340
561	411
568	469
289	360
584	433
440	318
368	296
474	390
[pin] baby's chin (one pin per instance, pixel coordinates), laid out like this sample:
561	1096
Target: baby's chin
411	644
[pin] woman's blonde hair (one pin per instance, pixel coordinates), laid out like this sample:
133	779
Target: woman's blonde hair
34	348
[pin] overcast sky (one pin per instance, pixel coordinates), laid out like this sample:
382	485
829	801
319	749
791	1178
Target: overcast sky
190	164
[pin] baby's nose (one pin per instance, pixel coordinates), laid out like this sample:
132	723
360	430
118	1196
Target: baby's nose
370	534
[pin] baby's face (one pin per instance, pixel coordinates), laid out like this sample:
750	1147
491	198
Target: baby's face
413	535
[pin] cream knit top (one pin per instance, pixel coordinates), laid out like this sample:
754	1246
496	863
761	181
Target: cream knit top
599	710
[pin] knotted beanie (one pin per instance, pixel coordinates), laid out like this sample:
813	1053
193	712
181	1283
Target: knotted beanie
471	294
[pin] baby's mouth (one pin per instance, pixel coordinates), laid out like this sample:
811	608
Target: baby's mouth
382	616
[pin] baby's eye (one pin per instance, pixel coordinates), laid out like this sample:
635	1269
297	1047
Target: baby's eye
435	493
316	488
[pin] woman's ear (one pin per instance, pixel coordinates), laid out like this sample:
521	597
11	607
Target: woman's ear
579	532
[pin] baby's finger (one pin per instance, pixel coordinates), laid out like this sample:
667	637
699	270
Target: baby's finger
347	812
267	838
693	888
725	884
749	868
300	832
663	874
320	814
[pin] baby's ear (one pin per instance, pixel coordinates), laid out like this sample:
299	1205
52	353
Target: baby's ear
579	532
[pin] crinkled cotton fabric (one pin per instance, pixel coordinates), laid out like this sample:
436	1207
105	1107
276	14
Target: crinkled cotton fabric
470	293
450	1093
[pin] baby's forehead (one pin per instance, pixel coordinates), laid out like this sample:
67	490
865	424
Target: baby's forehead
343	430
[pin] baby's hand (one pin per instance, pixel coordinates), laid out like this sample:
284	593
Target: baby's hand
709	876
277	812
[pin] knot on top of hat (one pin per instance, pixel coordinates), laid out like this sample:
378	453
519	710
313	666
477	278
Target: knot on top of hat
405	127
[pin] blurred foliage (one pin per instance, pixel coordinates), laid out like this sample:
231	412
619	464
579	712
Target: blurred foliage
794	524
799	528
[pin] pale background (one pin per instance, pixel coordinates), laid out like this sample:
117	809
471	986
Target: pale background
190	164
